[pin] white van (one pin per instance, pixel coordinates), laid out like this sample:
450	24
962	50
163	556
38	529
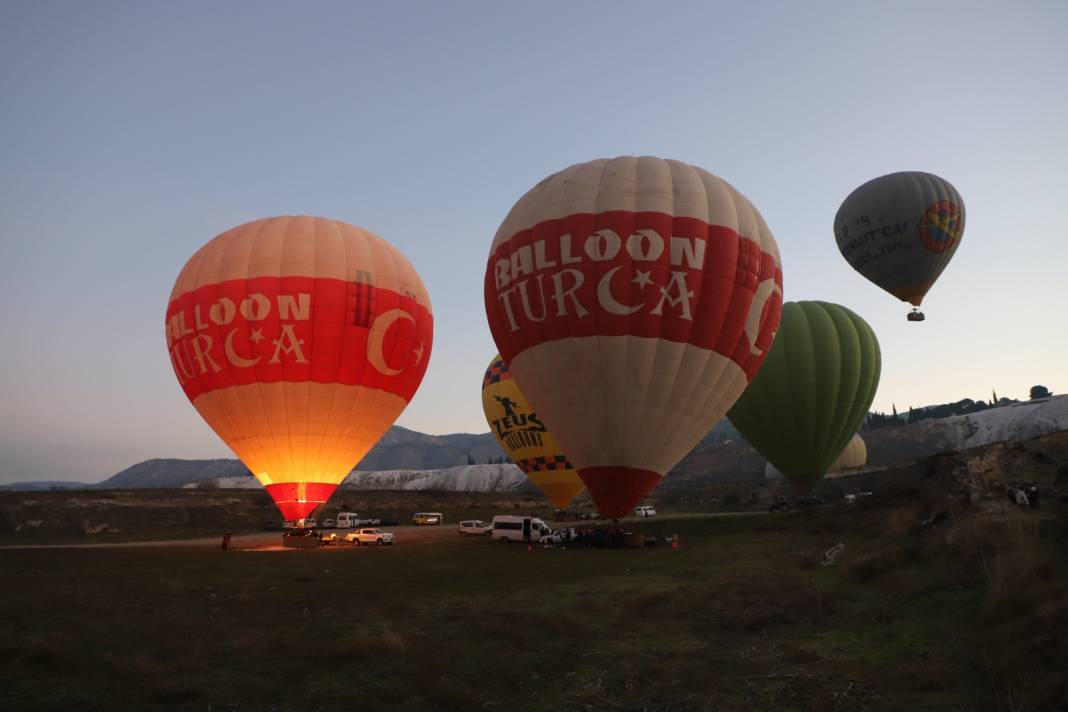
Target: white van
645	510
347	520
522	528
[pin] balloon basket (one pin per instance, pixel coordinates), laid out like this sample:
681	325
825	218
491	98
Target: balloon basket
300	538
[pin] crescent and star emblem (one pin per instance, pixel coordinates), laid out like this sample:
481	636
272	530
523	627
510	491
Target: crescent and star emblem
379	327
763	293
235	358
608	302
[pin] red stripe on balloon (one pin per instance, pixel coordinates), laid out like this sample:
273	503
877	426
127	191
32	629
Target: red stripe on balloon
639	274
617	490
297	500
297	329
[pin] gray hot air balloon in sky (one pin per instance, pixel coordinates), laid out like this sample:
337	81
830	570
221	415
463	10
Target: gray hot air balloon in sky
900	231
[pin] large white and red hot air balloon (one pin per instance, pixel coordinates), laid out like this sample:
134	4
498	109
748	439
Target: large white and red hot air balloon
634	299
299	340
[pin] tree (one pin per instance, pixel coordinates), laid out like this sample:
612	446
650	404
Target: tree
470	460
1040	392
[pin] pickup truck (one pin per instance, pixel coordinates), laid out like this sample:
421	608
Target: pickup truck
369	535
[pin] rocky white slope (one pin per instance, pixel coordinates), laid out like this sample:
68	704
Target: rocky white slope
1018	421
465	478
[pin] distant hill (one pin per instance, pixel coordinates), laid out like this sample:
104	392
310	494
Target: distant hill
403	449
462	478
47	485
399	449
163	474
405	459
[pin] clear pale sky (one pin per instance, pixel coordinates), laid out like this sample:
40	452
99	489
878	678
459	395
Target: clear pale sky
132	133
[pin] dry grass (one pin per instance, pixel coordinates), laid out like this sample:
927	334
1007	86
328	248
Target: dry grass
757	602
732	621
1022	560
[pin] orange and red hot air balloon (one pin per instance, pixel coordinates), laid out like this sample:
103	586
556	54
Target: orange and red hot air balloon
633	299
299	340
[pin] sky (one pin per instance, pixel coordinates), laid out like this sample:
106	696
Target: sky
132	133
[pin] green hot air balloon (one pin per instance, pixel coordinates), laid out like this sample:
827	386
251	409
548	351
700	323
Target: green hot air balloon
813	391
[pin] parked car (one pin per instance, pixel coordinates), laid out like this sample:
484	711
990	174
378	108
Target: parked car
645	510
369	535
473	527
329	524
427	518
781	504
387	522
310	523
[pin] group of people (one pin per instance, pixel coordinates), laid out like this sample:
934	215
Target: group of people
1026	496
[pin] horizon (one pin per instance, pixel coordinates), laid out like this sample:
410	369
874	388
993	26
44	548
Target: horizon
136	133
231	457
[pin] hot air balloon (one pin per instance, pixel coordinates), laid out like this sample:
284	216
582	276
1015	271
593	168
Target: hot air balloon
812	392
900	231
299	340
525	438
854	455
633	299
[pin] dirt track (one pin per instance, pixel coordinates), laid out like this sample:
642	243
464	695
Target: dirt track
271	541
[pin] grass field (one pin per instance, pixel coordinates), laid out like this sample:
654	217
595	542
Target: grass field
967	613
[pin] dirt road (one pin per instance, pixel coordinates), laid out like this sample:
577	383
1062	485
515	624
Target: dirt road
407	535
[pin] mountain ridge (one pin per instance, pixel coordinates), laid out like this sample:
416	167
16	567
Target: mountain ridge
723	456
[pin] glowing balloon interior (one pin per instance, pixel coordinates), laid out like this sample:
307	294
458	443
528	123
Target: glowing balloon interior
299	340
525	438
633	300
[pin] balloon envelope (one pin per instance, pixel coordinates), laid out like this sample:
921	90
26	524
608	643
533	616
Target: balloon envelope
900	231
813	391
525	438
299	340
854	455
633	300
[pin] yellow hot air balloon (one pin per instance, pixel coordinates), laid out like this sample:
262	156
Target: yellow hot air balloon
523	436
299	340
855	455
